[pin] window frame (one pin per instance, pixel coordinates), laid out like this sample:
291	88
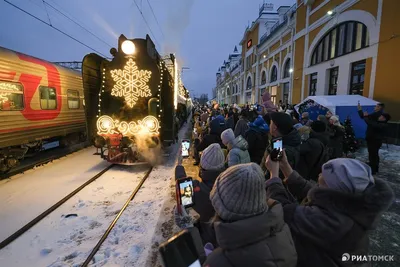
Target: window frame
75	97
353	64
330	88
263	77
19	93
40	97
286	69
247	84
313	82
274	74
318	54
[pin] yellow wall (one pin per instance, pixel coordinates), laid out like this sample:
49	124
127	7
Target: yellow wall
313	34
322	11
275	46
301	18
298	70
370	6
387	70
367	80
286	38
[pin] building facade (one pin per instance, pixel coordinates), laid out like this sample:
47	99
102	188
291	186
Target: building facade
322	47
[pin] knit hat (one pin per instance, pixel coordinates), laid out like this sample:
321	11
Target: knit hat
239	192
227	136
283	121
347	175
318	126
213	158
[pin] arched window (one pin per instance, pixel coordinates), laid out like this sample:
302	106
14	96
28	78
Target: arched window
263	78
286	69
274	74
345	38
249	85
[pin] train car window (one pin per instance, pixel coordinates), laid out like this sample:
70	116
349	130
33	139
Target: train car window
73	99
48	97
11	96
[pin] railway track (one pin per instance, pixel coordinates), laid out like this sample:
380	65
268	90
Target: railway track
41	216
45	157
111	226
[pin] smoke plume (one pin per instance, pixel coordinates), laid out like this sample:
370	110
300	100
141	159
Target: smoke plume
149	150
178	19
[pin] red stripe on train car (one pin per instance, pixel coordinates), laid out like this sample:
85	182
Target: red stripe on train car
7	75
39	126
31	84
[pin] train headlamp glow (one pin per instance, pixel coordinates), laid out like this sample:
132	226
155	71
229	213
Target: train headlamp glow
128	47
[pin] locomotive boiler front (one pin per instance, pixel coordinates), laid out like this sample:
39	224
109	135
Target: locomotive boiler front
130	108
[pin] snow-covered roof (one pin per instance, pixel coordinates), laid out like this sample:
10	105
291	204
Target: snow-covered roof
342	100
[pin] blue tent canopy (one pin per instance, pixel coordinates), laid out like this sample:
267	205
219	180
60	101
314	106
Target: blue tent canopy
343	106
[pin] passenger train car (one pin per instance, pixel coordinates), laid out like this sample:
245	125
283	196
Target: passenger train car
133	101
39	102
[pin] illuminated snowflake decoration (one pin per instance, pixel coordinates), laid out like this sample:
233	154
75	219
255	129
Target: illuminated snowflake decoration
131	83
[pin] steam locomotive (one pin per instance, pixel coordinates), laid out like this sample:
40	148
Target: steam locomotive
133	101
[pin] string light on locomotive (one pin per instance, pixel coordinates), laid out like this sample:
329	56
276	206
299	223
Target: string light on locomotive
131	83
107	125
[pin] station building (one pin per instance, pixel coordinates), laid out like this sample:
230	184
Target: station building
321	47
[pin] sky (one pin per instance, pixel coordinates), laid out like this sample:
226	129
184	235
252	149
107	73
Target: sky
202	33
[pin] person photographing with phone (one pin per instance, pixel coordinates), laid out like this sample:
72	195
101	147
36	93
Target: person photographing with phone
376	131
336	215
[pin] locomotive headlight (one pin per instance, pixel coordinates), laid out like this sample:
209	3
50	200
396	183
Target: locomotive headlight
150	124
107	124
128	47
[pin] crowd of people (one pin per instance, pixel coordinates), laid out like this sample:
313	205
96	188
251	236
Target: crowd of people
306	209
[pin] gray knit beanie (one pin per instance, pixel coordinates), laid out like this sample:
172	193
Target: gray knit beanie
239	192
212	159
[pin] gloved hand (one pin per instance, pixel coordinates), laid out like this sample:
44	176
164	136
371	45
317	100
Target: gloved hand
183	220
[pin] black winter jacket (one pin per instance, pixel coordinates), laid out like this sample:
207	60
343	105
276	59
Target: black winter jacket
376	130
258	142
313	154
331	222
213	137
202	200
335	144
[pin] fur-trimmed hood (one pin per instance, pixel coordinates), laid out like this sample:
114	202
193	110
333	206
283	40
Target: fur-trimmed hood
365	208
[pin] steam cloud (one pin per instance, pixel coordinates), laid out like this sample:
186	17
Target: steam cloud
148	149
178	19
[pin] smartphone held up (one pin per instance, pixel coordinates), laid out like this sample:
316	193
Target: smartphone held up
185	148
277	149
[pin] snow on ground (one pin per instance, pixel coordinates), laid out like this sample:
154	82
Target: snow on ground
24	196
67	236
147	220
386	239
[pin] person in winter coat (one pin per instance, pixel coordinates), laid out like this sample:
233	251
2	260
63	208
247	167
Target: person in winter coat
257	138
212	164
248	232
335	144
237	147
313	152
376	131
282	126
229	121
337	215
214	136
268	105
242	124
305	119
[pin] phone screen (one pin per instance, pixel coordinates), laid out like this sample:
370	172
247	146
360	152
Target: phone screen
185	148
277	144
180	251
186	192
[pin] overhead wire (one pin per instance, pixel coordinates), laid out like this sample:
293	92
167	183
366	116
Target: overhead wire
48	16
55	28
88	31
155	17
145	21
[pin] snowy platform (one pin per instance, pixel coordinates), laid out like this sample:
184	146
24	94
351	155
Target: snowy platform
66	241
